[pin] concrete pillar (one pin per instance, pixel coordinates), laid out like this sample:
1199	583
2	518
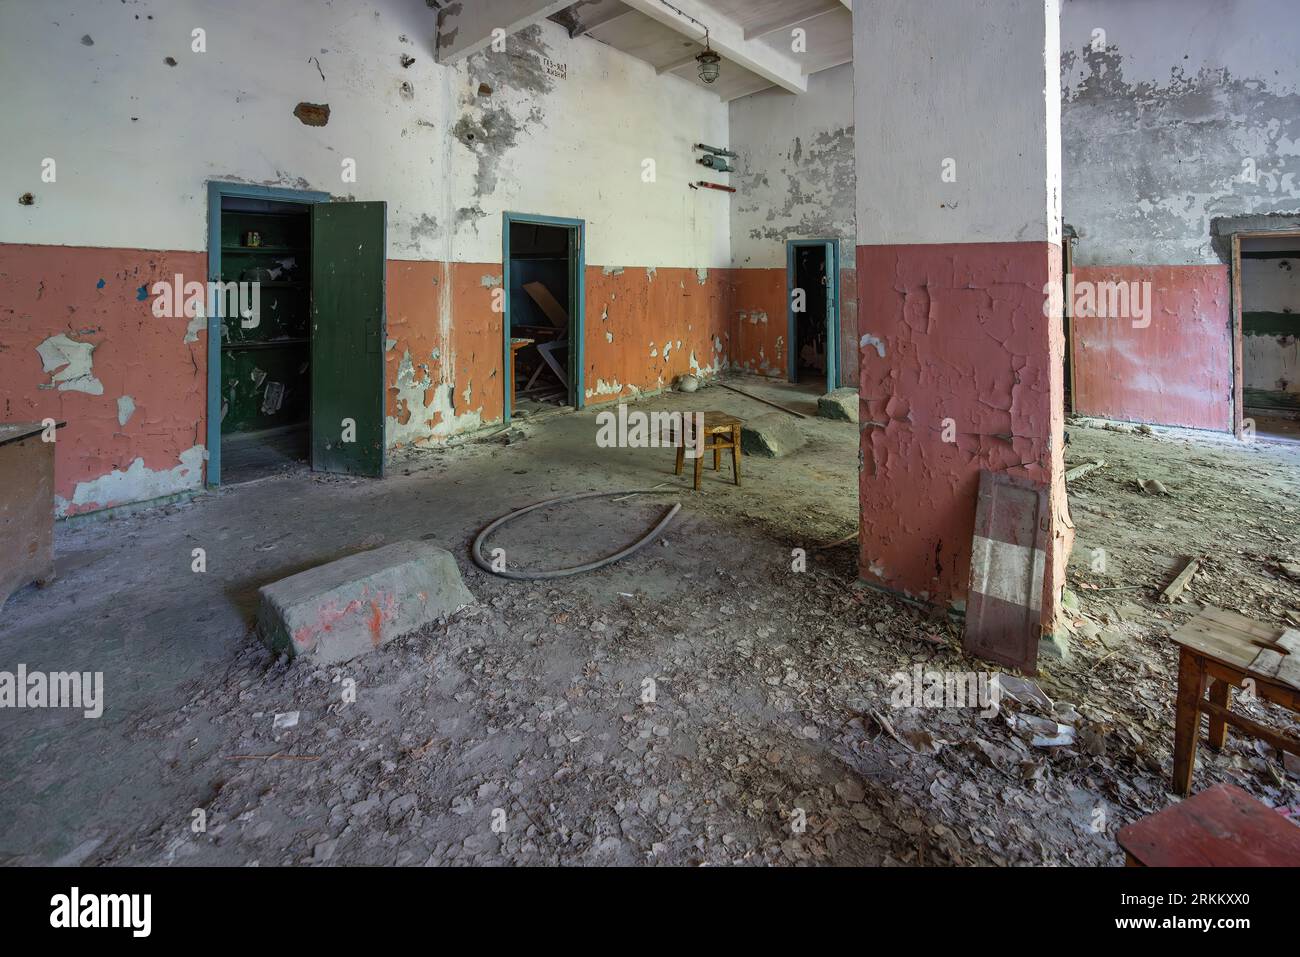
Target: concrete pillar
957	110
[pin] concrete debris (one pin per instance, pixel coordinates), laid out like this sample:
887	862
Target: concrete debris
771	435
354	605
840	404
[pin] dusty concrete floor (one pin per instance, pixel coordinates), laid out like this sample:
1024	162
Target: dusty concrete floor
517	733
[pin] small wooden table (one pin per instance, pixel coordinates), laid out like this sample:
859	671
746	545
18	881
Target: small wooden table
1220	827
718	433
1227	651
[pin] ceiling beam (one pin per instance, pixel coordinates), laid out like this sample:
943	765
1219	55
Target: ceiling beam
465	28
829	62
677	64
785	22
758	86
602	21
727	37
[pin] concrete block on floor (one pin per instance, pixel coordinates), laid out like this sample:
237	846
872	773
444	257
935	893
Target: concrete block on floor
839	404
772	435
338	611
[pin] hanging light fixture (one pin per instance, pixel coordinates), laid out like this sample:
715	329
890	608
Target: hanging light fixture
710	63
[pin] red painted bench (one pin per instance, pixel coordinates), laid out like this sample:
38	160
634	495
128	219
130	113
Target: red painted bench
1220	827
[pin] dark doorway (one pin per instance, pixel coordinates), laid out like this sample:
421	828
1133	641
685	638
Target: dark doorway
811	346
812	291
265	358
541	275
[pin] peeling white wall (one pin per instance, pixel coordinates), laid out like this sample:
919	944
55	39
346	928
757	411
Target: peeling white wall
928	108
136	140
1271	359
795	174
1188	110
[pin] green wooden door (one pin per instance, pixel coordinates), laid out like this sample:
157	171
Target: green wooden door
347	337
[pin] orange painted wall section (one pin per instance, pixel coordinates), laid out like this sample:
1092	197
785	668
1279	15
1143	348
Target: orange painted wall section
103	297
1175	371
761	321
954	337
444	350
646	327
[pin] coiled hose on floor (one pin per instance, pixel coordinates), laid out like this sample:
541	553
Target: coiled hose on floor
477	549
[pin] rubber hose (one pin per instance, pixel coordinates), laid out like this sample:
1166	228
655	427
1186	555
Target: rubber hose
481	562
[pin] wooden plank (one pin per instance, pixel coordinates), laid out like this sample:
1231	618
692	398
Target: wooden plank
1081	470
1253	728
750	395
1281	662
1004	608
1176	586
556	314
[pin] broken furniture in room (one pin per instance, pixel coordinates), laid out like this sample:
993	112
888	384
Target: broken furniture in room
515	345
546	342
1226	650
718	433
26	504
1220	827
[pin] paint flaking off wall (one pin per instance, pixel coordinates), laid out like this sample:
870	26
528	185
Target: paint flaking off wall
72	364
137	484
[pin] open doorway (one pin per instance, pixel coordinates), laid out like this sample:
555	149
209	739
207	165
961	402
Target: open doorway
812	295
1267	292
265	384
543	262
295	316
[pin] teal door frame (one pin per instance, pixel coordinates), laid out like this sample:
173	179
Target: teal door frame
217	190
577	303
832	248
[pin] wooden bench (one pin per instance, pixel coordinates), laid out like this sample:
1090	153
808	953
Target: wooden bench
1220	827
1225	650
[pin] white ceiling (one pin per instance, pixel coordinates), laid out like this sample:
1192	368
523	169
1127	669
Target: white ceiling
755	38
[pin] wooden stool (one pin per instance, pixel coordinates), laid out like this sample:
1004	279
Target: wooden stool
1228	650
720	432
1221	827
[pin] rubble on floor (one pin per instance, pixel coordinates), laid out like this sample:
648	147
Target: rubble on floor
771	435
839	404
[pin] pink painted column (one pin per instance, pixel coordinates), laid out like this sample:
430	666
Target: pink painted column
960	344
